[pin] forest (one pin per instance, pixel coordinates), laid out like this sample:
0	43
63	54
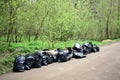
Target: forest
59	20
53	21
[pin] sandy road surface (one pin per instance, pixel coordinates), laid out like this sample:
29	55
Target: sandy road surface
104	65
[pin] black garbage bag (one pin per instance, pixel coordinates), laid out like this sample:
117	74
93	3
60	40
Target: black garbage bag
78	51
49	58
19	64
38	59
69	53
95	48
52	54
29	60
43	58
63	55
48	55
87	47
77	47
78	54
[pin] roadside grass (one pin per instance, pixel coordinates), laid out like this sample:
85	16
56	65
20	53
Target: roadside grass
117	40
8	53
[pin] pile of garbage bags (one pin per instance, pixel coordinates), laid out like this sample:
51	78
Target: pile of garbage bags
46	56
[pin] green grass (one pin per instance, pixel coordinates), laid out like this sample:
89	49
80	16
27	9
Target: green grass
8	53
117	39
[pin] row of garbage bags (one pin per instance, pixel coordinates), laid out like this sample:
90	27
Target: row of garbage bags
46	56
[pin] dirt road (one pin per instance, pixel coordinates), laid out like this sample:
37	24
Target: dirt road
103	65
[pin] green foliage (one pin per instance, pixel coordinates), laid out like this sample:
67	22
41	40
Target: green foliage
6	63
56	20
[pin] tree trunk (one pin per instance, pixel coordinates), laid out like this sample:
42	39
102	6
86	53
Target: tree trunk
42	22
75	3
8	35
118	32
10	30
20	39
16	35
118	11
53	38
36	35
107	23
29	37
